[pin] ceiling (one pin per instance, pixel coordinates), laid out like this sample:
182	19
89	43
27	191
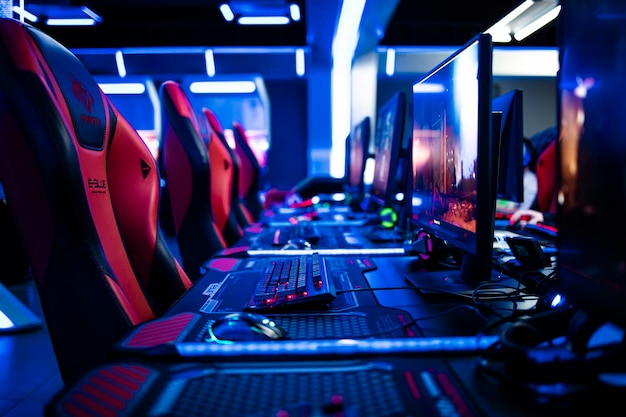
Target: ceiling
169	38
140	23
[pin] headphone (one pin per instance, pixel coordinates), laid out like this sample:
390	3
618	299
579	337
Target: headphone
430	248
388	217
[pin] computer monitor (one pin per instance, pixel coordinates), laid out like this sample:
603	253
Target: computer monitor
510	181
453	164
387	148
592	155
357	152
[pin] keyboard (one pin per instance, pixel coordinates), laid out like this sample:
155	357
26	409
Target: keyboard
293	281
305	231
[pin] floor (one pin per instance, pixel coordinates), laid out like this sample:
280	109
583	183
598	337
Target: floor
29	376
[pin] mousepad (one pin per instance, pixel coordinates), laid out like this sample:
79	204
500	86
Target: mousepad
228	283
396	386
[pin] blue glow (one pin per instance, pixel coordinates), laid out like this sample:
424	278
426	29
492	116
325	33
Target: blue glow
341	346
345	251
344	44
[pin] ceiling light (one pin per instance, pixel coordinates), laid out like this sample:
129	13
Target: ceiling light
524	20
25	14
227	12
300	64
294	12
123	88
263	20
228	87
261	12
121	65
58	15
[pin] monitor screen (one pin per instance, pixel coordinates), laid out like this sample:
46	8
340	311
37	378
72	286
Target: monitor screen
387	147
592	152
358	150
510	181
453	163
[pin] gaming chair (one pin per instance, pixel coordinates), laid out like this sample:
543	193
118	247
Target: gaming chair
186	168
223	186
84	191
546	179
240	210
250	178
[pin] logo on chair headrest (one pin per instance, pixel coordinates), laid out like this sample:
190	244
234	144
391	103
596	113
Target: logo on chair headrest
145	169
82	94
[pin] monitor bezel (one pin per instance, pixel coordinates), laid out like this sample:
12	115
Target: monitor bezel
477	247
382	193
362	130
510	176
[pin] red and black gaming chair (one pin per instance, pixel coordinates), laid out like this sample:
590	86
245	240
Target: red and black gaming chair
223	186
84	191
240	210
184	163
250	174
546	179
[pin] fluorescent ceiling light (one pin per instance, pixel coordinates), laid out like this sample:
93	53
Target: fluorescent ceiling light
300	68
227	87
428	88
123	88
227	12
537	24
210	62
294	12
390	65
70	22
261	12
25	14
58	15
121	65
525	62
524	20
263	20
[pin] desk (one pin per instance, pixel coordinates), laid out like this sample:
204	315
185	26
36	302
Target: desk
317	382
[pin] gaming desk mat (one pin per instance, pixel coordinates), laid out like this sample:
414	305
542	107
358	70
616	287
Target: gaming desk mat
228	284
385	386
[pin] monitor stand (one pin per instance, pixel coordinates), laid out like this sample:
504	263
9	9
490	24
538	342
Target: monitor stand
458	282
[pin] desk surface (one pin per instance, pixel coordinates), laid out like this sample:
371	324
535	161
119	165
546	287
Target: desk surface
383	307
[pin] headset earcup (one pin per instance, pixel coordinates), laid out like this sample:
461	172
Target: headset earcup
425	246
388	217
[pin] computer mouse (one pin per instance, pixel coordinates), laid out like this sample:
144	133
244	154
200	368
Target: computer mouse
244	327
298	244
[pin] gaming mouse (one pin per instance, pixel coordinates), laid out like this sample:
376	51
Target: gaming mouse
244	327
298	244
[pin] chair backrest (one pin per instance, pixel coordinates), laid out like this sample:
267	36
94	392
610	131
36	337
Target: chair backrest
546	171
84	190
185	166
223	186
243	215
250	178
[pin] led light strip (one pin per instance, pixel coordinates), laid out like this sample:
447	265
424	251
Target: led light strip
344	251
